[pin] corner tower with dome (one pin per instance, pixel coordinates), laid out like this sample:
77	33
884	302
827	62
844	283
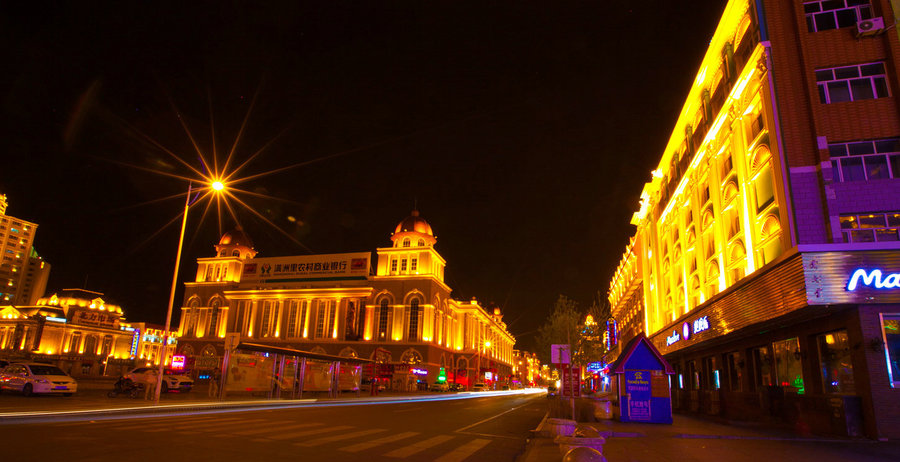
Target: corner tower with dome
398	311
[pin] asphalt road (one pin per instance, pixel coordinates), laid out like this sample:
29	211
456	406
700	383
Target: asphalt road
491	428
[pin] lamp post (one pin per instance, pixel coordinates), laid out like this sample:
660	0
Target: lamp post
217	186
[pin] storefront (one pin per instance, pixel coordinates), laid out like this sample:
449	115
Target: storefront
813	341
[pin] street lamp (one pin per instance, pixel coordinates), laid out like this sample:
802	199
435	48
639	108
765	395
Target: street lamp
218	187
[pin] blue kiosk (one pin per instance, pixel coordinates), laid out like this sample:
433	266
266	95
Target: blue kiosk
642	379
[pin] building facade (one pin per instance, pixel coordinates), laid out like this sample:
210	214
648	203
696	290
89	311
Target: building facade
23	274
765	264
75	329
399	313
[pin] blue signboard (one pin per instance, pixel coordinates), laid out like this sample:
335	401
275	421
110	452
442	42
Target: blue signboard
637	387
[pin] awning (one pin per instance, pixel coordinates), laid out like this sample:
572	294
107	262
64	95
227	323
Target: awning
299	353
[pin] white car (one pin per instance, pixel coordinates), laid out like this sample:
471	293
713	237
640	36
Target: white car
171	381
479	387
31	378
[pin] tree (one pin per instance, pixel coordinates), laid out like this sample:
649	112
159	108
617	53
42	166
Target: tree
561	326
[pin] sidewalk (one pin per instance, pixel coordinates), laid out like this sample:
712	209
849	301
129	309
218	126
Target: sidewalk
692	438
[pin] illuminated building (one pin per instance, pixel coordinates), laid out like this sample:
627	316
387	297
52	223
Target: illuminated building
527	368
23	274
400	314
75	329
779	183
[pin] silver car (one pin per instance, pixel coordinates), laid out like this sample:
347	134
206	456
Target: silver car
32	378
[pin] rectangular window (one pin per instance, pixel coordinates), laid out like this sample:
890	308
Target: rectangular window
852	83
890	325
762	367
734	365
393	265
871	227
332	313
788	368
835	363
413	264
833	14
321	316
292	318
866	160
266	319
403	265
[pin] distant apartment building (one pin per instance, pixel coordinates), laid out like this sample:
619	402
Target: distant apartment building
23	274
765	264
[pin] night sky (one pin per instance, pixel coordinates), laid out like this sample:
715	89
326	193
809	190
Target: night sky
523	131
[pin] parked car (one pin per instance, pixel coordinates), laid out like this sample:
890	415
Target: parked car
172	381
455	387
439	386
31	378
479	387
552	390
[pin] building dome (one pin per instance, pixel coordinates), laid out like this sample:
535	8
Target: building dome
235	243
414	223
236	237
413	231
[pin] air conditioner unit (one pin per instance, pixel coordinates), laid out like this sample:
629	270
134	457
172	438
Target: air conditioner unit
868	27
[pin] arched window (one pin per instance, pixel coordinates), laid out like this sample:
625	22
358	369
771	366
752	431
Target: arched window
414	315
348	353
213	328
411	356
406	242
191	315
421	243
383	319
236	253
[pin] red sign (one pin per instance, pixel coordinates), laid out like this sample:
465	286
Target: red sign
571	381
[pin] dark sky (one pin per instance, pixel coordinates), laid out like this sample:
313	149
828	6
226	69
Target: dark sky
523	130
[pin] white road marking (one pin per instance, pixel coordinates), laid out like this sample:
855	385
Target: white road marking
374	443
345	436
463	452
419	446
287	436
277	427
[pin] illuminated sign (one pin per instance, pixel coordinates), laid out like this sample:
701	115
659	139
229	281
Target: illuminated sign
178	362
307	267
688	329
49	318
701	324
489	376
134	342
873	278
673	338
418	371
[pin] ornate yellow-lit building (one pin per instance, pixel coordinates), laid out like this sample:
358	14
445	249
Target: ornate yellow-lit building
23	274
76	329
764	264
401	313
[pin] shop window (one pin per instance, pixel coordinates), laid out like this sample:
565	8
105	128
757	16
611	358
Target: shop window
762	367
788	365
835	362
735	364
711	369
890	324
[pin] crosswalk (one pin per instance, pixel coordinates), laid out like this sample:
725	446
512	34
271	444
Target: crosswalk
387	443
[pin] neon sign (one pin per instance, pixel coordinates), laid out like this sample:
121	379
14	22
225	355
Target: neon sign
873	278
135	339
686	331
673	338
178	362
701	324
418	371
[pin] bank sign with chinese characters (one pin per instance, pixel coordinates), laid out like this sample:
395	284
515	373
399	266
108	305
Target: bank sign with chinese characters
852	277
328	267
